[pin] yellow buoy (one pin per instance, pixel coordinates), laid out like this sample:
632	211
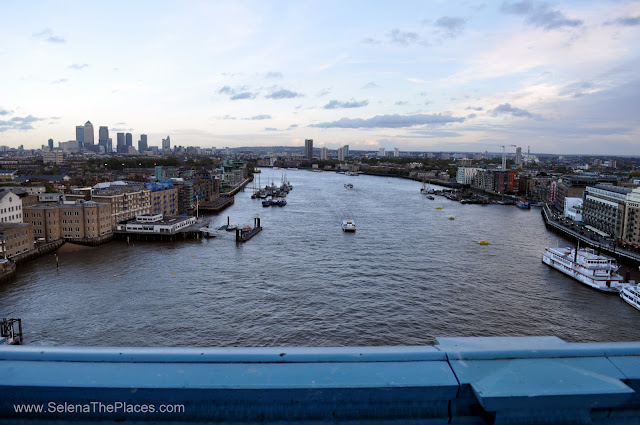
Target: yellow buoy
438	208
452	218
114	275
483	242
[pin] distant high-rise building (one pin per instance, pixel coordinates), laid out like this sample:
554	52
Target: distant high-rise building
103	137
227	151
324	154
142	143
88	135
340	154
50	144
166	144
518	156
308	149
121	146
346	150
110	145
80	135
128	139
381	152
396	152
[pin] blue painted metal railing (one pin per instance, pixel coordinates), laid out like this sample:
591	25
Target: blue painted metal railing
470	380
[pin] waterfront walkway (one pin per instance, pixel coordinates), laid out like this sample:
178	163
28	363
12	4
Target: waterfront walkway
587	237
481	380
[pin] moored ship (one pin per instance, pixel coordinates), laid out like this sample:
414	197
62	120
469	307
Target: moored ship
631	294
585	265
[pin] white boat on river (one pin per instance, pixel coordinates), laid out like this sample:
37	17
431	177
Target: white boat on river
585	265
348	226
631	294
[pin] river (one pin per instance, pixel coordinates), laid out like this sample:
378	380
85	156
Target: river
408	275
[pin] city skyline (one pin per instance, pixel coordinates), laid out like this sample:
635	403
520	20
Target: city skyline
419	76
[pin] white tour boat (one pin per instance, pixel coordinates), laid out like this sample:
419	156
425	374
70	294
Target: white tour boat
348	226
631	294
595	270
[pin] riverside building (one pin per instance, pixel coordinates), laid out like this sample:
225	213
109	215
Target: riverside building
74	221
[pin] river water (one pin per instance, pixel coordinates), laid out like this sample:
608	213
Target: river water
408	275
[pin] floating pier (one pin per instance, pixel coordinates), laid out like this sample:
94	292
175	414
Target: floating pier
243	235
216	205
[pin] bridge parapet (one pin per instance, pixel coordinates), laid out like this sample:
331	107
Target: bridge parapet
471	380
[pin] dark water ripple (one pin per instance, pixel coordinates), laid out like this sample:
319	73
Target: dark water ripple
407	275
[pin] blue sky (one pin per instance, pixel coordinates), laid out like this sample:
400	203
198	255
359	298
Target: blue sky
560	77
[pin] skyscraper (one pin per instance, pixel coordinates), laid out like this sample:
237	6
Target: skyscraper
50	144
381	152
128	139
80	135
324	154
121	146
88	135
346	150
308	149
142	143
166	144
518	156
103	138
396	152
341	154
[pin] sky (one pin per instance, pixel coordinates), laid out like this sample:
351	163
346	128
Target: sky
553	77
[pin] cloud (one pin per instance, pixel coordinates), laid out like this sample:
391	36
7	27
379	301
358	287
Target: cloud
59	81
576	89
401	102
260	117
47	35
432	134
292	126
237	93
625	21
471	116
371	85
243	95
451	26
539	14
507	109
283	94
227	117
336	104
416	80
18	123
275	75
5	112
78	66
390	121
323	92
474	108
270	129
403	38
370	40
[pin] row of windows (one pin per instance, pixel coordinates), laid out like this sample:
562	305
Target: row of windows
11	218
10	209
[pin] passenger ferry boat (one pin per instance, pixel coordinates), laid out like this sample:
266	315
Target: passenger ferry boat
595	270
631	294
523	203
348	226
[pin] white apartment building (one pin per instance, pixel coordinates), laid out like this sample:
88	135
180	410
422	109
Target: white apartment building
465	175
10	207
